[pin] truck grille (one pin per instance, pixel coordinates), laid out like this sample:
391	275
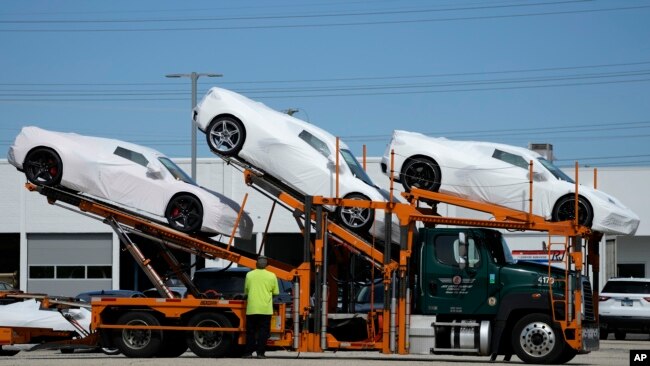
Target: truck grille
588	300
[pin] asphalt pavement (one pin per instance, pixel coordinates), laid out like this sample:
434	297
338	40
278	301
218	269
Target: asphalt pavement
611	353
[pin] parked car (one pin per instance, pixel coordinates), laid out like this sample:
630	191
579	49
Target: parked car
499	174
228	283
7	288
297	153
127	174
363	301
624	307
88	295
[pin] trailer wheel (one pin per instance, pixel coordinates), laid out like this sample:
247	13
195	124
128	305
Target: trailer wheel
141	343
619	335
173	344
357	219
7	352
225	135
208	343
536	340
110	351
43	166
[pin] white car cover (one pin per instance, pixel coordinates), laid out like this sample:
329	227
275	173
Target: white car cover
140	180
28	314
499	174
298	153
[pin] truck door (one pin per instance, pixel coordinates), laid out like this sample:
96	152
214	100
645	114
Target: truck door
454	275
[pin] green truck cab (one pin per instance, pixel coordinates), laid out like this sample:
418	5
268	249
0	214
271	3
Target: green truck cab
471	297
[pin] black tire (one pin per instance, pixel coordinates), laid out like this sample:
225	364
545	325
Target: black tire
141	343
8	352
420	172
67	351
356	219
209	343
567	355
173	344
603	334
619	335
565	210
225	135
184	213
536	340
43	166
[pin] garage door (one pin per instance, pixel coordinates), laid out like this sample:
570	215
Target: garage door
66	264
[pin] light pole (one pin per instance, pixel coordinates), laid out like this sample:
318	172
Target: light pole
194	76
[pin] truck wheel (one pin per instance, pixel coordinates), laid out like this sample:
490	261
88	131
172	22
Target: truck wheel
567	355
141	343
536	340
208	343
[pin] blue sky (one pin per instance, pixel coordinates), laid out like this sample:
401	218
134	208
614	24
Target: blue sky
575	74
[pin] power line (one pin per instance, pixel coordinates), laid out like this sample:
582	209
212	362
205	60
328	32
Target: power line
296	16
323	25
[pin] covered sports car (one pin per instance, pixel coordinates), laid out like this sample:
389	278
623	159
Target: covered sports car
126	174
292	151
499	174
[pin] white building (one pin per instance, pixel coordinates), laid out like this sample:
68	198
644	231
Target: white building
60	252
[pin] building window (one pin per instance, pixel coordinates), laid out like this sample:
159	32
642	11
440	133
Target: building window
99	272
70	272
631	270
41	272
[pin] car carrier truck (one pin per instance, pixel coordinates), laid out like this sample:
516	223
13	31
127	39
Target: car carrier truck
446	290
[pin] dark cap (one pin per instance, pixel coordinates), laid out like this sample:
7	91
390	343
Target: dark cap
262	262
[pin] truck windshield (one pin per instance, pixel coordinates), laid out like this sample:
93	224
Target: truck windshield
355	167
555	170
176	171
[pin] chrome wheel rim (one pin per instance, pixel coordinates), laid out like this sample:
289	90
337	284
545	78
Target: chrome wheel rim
537	339
136	338
225	135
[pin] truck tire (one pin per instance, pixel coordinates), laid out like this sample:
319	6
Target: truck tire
536	339
140	343
619	335
209	343
173	344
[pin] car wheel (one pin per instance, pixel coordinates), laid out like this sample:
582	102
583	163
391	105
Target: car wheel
422	173
226	135
565	210
110	351
43	166
619	335
184	213
8	352
209	343
536	340
357	219
141	343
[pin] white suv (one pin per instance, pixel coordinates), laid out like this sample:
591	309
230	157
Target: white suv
624	307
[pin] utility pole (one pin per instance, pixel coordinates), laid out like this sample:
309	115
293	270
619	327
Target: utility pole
194	76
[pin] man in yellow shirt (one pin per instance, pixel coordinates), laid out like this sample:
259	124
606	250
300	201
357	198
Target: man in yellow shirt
260	287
